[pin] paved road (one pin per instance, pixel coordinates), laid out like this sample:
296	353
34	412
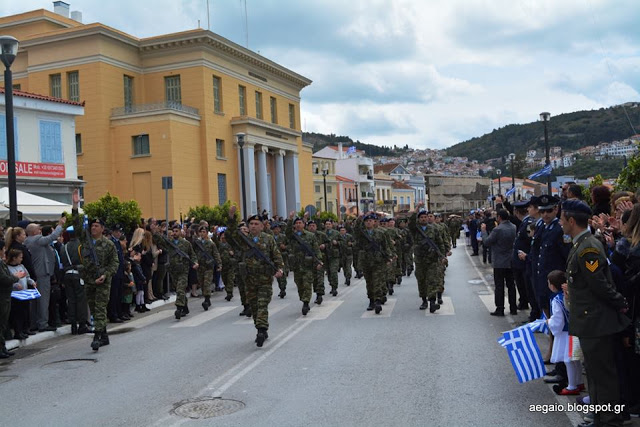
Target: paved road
341	365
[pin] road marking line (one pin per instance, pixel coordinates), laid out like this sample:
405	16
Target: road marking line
386	310
272	310
205	316
145	321
321	312
446	308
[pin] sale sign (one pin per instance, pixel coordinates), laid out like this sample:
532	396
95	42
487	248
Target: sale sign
35	170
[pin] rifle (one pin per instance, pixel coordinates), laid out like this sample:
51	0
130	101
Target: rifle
179	251
92	251
306	248
428	242
208	256
374	245
254	249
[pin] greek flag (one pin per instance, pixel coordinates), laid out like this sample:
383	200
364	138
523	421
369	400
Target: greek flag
539	325
545	171
25	295
351	150
510	192
524	353
85	222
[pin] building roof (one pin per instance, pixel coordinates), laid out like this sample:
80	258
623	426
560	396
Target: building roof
43	97
399	185
386	168
382	177
343	179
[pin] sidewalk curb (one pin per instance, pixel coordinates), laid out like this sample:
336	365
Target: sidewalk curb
66	329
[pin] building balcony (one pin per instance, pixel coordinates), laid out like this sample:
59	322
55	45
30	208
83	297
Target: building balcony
403	208
366	195
140	110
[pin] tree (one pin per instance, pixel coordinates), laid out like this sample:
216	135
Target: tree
629	178
586	192
216	215
112	211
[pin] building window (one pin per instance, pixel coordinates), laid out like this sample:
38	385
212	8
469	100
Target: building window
220	148
329	189
409	200
140	145
50	142
172	90
217	95
81	192
319	206
401	200
292	116
128	92
317	188
73	86
78	143
222	188
3	136
55	85
242	98
258	105
330	206
16	86
274	110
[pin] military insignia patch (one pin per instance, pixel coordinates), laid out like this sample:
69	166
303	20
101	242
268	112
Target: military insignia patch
589	251
591	265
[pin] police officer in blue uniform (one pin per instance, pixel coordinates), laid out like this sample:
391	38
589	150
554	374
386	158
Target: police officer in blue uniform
521	245
530	254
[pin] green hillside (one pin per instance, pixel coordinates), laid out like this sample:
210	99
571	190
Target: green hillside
569	131
320	141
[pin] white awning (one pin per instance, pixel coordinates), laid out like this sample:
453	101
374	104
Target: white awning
32	207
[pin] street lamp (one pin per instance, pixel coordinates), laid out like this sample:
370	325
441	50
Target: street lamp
545	118
8	52
512	157
240	141
357	199
499	172
325	172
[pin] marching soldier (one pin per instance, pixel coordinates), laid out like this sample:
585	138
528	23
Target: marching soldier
442	267
332	255
305	254
397	240
263	261
99	264
318	279
208	261
347	243
181	259
407	248
229	267
390	276
283	245
429	252
241	266
374	257
453	225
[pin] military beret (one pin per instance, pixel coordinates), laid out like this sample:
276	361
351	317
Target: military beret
117	227
275	224
521	204
576	206
254	218
370	216
548	202
423	212
296	219
96	220
176	226
242	224
23	223
383	220
310	222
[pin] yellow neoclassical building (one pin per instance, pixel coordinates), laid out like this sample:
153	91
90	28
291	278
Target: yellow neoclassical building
170	105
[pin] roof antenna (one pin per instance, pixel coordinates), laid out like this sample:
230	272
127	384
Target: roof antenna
246	24
208	23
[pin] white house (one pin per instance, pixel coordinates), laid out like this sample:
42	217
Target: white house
45	145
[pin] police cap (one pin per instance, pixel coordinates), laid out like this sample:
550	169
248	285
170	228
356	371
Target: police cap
254	218
576	206
548	202
370	216
521	204
96	220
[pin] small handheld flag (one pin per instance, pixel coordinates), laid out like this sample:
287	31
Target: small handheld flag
524	353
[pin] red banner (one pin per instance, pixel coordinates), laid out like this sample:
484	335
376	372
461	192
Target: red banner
36	170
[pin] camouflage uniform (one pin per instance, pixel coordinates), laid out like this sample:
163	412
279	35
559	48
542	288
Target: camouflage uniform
229	267
390	274
347	243
283	246
304	266
179	269
206	266
446	239
407	251
373	260
259	275
97	295
426	258
332	257
454	229
318	279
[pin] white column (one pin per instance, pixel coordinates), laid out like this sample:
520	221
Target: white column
263	189
292	181
281	198
249	178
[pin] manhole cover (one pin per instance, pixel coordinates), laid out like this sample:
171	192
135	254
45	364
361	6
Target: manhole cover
120	331
70	363
208	407
6	378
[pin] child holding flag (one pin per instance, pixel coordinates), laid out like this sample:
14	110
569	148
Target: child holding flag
559	327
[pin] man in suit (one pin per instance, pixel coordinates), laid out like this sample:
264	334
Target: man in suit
595	309
43	263
521	245
500	240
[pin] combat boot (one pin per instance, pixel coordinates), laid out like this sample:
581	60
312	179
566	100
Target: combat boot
334	292
178	313
244	311
262	335
248	313
282	293
228	297
347	282
371	305
378	308
104	338
95	344
384	300
74	329
390	288
425	304
185	308
318	299
305	308
440	298
82	329
433	306
206	303
398	280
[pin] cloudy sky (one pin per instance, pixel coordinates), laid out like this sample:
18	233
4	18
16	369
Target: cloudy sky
428	73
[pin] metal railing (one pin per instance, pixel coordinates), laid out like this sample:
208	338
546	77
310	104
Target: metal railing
155	106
